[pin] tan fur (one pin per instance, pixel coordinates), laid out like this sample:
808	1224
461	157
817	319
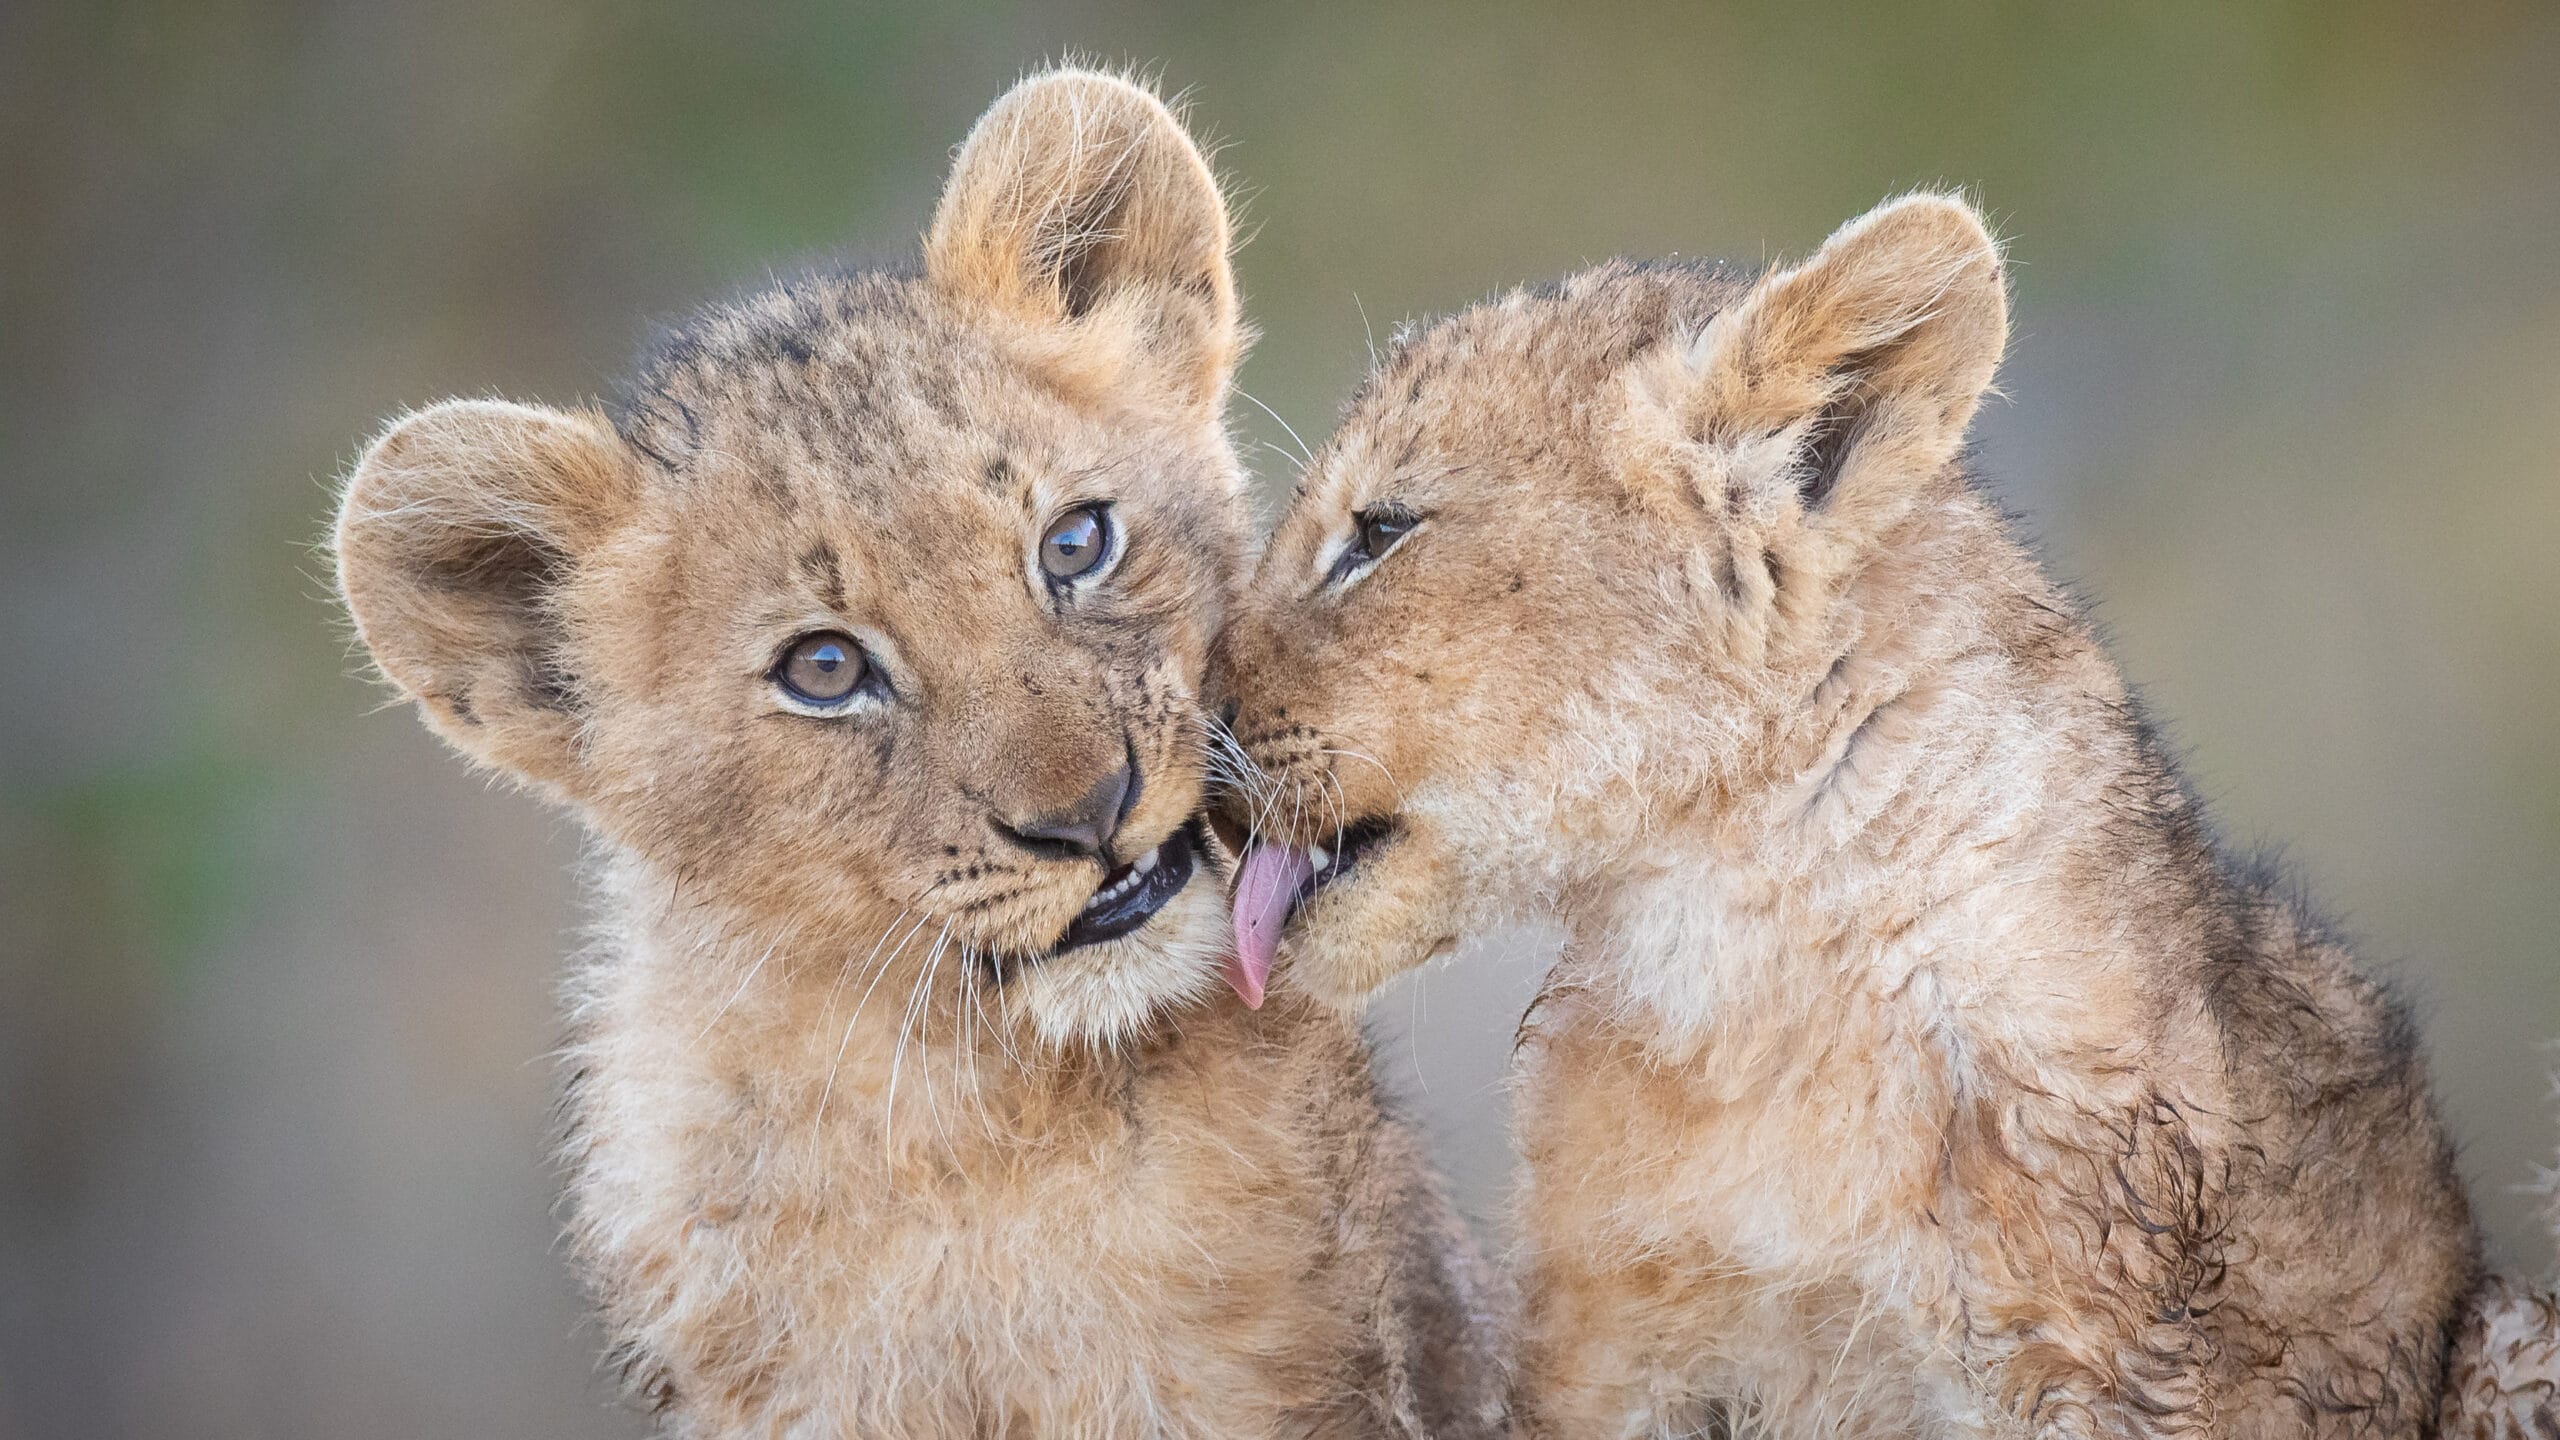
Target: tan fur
2504	1382
1916	1064
849	1153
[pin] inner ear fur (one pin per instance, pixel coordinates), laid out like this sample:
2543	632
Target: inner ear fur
455	535
1868	360
1080	204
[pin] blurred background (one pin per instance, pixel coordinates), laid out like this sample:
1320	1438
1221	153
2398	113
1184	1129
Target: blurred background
275	972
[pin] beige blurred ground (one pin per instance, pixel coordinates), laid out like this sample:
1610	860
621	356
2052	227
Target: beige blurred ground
275	974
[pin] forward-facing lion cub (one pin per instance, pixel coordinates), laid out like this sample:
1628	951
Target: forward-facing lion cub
1916	1064
904	1096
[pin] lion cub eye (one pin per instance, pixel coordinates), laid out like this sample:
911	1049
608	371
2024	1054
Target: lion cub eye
822	669
1380	529
1077	543
1374	532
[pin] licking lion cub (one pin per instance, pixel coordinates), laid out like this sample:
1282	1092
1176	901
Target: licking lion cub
904	1096
1916	1064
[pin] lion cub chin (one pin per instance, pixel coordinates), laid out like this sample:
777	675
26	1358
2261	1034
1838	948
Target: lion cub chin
904	1096
1916	1063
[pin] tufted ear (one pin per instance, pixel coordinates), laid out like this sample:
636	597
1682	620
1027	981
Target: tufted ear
1849	380
1081	205
453	540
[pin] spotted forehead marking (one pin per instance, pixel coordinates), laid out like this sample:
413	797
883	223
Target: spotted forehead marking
856	376
825	569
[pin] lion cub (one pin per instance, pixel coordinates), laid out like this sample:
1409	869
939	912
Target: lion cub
904	1099
1916	1064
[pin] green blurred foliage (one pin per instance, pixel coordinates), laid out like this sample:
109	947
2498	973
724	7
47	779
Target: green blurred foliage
160	852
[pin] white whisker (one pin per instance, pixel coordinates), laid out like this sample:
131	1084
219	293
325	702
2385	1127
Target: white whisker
1305	455
856	1017
1374	764
897	1057
749	979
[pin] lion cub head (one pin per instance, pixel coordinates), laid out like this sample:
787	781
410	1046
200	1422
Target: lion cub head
877	610
1574	569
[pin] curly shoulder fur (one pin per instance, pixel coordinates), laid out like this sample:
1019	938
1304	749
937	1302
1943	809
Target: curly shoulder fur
1917	1063
858	1144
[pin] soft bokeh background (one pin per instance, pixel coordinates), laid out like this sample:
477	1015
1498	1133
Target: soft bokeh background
275	973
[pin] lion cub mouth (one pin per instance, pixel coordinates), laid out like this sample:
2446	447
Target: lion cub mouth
1131	895
1275	880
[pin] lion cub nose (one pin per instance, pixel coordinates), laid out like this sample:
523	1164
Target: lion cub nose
1086	827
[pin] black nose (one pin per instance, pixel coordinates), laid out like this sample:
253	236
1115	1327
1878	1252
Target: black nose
1085	828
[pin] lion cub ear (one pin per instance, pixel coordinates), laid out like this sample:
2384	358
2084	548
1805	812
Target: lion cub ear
1849	380
1080	205
454	538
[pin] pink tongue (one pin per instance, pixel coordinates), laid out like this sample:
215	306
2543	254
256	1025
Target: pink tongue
1266	887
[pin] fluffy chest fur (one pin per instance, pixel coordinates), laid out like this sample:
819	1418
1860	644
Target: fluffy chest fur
798	1227
1750	1169
1949	1147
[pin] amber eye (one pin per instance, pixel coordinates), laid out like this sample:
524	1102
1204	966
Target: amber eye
822	669
1077	543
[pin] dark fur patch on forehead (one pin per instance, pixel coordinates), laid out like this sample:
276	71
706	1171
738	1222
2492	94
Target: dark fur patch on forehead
820	348
826	571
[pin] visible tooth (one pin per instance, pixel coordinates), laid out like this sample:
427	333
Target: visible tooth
1146	862
1318	856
